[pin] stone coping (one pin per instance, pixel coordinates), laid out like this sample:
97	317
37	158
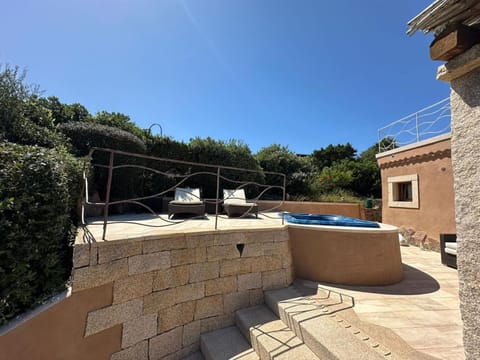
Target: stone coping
384	228
120	228
147	226
23	318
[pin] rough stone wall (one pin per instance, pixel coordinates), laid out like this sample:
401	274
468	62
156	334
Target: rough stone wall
167	290
373	214
465	105
419	238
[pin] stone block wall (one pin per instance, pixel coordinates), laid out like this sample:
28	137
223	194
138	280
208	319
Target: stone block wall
373	214
169	289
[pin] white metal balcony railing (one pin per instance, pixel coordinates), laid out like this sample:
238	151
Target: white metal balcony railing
431	121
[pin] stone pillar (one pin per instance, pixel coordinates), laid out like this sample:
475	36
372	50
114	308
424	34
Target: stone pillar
463	72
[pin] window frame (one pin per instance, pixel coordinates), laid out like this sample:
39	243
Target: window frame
393	188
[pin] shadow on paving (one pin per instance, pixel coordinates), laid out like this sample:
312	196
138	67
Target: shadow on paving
415	282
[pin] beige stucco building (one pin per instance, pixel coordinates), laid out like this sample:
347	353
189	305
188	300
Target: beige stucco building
417	190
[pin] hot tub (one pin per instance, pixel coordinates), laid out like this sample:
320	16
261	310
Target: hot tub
335	220
350	255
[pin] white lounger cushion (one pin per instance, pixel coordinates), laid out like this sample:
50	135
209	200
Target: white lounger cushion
451	248
234	197
187	195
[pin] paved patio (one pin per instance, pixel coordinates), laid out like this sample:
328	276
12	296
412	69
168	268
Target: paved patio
423	309
130	226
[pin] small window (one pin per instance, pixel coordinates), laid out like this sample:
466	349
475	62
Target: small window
403	191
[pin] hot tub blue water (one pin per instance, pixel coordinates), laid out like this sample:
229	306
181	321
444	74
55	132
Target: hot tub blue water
335	220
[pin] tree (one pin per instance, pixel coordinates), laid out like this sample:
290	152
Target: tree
360	175
13	93
326	157
368	181
63	113
338	176
278	158
22	118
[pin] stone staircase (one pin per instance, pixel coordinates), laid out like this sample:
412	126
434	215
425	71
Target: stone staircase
295	323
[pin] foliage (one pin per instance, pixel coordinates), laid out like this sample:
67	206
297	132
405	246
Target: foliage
232	153
22	119
126	182
166	148
360	175
326	157
338	176
278	158
83	136
63	113
119	121
368	180
36	186
336	195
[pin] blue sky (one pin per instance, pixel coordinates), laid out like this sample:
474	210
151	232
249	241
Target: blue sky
303	73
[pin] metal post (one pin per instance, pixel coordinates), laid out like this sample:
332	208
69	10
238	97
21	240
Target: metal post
379	142
217	200
84	193
284	190
416	126
107	196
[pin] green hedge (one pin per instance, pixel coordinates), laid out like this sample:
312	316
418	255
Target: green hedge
229	153
127	182
36	197
85	135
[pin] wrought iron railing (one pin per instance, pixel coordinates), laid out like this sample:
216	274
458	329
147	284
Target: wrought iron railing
172	171
431	121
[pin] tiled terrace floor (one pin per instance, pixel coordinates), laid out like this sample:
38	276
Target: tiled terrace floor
423	309
143	225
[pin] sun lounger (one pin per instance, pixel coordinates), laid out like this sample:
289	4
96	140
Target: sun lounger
234	203
187	201
448	249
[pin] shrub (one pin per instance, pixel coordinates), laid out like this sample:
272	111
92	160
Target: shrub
336	195
119	121
85	135
36	186
126	182
167	148
232	153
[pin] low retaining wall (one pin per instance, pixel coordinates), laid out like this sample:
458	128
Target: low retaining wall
167	290
58	332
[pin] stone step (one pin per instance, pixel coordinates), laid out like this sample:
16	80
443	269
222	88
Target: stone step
224	344
269	336
195	356
315	319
